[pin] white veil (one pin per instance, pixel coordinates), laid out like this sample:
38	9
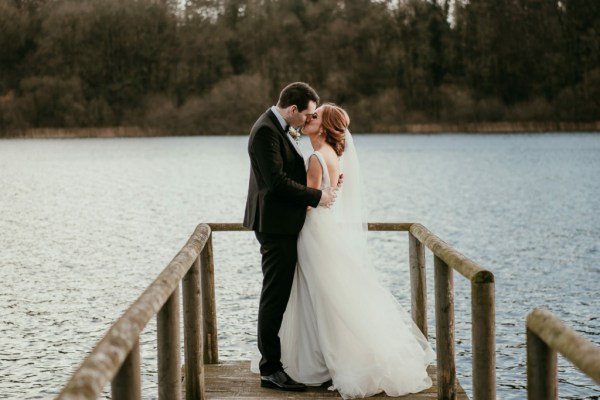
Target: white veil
349	208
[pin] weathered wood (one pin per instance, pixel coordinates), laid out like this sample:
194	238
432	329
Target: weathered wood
195	265
373	226
453	258
126	384
225	226
483	340
169	349
558	336
209	307
192	315
389	226
101	365
234	380
542	380
418	283
444	329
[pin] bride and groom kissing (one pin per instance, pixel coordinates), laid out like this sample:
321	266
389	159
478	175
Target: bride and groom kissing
324	319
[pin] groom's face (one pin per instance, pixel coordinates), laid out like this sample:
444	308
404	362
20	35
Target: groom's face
300	118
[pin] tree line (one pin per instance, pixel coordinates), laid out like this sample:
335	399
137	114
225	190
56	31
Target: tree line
212	66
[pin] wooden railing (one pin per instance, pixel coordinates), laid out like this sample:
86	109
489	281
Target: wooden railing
116	357
547	335
483	328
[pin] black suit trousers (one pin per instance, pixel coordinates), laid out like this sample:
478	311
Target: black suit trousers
279	258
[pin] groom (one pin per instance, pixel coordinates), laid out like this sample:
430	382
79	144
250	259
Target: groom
275	210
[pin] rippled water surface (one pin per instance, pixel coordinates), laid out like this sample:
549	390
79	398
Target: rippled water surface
86	225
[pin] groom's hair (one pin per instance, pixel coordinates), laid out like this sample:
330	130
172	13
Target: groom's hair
298	94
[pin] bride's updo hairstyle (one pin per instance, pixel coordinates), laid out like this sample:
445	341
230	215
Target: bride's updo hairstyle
335	121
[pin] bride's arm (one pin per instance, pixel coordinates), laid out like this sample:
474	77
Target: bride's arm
314	175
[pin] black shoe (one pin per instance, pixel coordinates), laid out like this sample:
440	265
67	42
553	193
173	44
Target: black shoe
281	381
327	384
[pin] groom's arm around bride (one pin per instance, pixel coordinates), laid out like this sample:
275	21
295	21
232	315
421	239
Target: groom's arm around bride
277	191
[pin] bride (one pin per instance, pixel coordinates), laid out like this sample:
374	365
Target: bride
340	324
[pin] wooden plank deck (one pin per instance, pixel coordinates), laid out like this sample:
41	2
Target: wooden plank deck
234	380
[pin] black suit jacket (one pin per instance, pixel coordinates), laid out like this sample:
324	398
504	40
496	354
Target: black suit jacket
277	191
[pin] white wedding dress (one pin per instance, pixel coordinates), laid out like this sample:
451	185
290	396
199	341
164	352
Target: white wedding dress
340	323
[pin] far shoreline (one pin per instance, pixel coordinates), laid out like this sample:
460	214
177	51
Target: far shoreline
426	128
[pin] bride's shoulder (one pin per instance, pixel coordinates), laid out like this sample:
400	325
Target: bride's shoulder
315	157
329	155
322	156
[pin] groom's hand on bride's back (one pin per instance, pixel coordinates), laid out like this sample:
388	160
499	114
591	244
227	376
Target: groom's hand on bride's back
328	196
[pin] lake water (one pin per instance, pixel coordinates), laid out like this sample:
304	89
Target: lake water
86	225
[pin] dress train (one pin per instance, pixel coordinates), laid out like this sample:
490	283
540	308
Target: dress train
341	324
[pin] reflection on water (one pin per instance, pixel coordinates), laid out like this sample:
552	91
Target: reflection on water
86	225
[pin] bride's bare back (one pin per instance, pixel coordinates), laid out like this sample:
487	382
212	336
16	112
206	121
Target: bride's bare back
315	170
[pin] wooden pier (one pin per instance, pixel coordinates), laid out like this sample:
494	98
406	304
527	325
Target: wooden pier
234	380
116	358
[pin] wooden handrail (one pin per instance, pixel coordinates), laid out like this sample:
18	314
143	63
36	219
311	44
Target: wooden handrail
116	357
483	319
450	256
373	226
106	359
546	335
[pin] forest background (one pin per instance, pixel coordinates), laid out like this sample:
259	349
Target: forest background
212	66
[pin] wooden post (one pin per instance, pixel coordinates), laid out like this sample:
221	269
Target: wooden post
444	330
192	315
483	338
418	283
547	336
541	369
168	343
209	307
126	385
